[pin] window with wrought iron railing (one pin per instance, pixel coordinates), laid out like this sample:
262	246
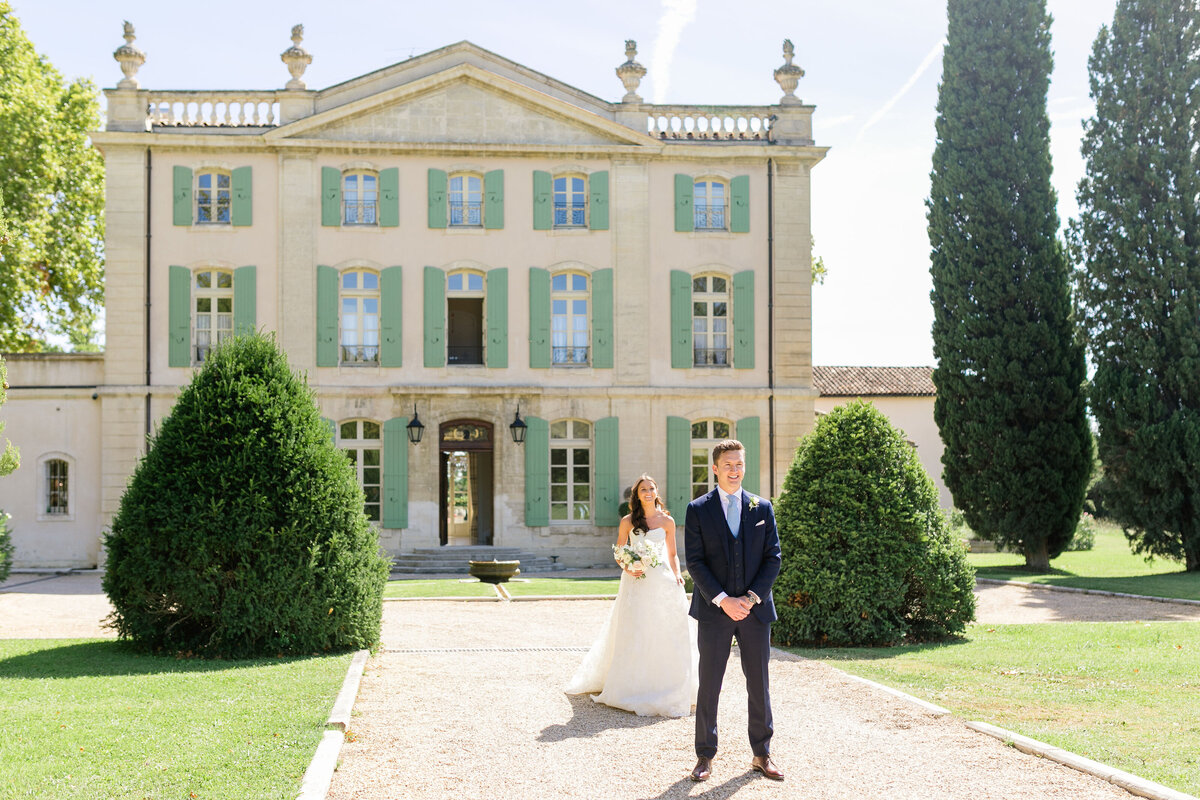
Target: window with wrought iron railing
466	201
709	205
710	321
212	322
570	321
213	198
570	202
359	318
360	198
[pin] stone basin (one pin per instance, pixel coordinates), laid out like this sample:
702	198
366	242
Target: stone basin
494	571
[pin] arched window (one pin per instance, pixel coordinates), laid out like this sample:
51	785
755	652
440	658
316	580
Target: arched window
466	200
710	204
570	201
213	196
570	471
710	321
465	317
570	319
212	322
361	442
359	318
705	435
360	198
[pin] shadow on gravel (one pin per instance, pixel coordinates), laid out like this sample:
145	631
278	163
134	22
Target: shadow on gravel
720	791
97	659
589	718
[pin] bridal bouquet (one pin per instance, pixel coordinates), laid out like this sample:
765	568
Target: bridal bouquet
637	555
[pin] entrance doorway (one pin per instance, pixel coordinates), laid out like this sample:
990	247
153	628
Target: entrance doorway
466	478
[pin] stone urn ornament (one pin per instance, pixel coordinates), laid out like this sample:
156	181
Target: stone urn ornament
631	73
130	58
494	571
296	58
788	76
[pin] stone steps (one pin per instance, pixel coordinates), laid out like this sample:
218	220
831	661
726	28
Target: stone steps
454	560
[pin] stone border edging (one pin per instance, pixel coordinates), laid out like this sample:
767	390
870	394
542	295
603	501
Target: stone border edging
319	774
1128	782
1103	592
441	599
932	708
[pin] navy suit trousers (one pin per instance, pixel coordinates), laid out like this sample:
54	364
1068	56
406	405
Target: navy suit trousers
715	637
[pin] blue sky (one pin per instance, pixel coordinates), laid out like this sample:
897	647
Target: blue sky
872	70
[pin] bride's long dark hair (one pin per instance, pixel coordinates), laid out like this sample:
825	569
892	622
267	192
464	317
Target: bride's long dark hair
637	514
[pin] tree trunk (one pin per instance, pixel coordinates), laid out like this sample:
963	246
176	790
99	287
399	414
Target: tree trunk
1037	557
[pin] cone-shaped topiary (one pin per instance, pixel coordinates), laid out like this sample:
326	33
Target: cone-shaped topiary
242	531
867	558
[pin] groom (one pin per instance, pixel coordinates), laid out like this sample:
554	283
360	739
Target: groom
733	556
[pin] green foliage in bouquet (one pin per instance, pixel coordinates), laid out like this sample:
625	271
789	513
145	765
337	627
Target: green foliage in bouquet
867	556
242	531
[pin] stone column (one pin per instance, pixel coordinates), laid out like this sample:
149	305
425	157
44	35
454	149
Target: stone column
299	196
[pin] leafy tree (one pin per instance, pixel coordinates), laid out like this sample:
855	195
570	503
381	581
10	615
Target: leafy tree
52	195
242	532
1010	370
1138	234
867	556
10	459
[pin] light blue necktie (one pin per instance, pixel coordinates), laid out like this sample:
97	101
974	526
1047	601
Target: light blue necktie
734	514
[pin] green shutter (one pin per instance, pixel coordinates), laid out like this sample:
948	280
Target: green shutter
598	201
537	472
242	212
743	320
685	190
332	429
331	197
543	201
602	319
179	309
497	317
539	318
389	198
245	300
391	316
739	204
327	317
395	472
493	199
679	467
747	434
435	317
438	213
181	195
681	319
608	473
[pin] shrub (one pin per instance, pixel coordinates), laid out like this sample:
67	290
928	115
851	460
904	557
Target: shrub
242	530
867	556
6	547
1084	537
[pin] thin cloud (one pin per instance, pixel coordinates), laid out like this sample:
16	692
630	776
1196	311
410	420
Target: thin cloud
930	57
676	15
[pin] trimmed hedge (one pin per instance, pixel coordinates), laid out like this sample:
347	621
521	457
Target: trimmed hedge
242	531
867	557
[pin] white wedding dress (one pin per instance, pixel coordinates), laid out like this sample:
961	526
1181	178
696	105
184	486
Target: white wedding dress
645	658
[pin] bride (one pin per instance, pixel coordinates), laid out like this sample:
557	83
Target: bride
645	658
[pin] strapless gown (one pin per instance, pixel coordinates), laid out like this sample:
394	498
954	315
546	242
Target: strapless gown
645	658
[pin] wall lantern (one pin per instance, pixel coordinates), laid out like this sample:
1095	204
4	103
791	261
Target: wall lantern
416	428
518	427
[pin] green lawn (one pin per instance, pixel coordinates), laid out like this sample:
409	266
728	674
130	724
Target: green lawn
1125	694
1109	566
94	718
559	587
439	587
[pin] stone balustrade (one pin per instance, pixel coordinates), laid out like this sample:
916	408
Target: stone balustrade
212	109
709	123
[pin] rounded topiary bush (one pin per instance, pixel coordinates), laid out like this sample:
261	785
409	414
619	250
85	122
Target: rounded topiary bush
242	531
867	557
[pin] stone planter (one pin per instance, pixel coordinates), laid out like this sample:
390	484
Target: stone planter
494	571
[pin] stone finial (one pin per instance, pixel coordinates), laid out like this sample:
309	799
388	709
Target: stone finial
130	58
631	73
789	75
296	58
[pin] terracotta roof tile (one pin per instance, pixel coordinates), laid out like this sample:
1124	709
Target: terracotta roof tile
873	381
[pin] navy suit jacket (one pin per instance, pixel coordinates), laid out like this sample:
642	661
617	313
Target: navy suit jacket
707	542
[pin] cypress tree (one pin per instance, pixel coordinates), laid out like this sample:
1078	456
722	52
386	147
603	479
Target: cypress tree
1139	237
1010	369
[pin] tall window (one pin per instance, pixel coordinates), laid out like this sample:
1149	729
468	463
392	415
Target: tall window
710	321
570	471
570	202
705	434
466	201
57	488
213	321
709	205
360	198
213	198
464	317
569	318
360	317
359	440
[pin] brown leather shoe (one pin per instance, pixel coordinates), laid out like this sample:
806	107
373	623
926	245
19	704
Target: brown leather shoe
767	767
702	770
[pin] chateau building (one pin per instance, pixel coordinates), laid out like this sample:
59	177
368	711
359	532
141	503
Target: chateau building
455	239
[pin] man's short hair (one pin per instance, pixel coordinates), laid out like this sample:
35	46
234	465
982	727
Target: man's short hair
724	447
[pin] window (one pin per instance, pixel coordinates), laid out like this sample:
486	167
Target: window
569	319
57	488
705	435
710	321
213	320
360	198
464	317
570	202
709	204
570	471
213	197
466	201
360	441
360	318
